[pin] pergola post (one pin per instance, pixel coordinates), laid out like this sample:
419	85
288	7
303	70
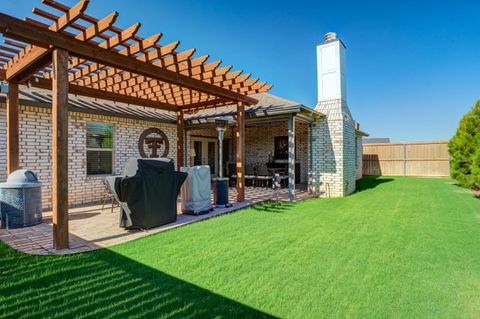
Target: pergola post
180	140
240	139
13	162
291	158
60	148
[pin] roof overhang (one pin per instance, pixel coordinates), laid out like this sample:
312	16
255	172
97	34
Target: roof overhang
257	114
42	99
361	133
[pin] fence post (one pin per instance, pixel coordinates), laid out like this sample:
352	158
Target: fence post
405	159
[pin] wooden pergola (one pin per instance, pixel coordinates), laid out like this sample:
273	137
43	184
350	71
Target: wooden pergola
80	54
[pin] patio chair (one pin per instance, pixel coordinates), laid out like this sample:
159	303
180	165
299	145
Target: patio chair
250	174
263	176
111	196
232	173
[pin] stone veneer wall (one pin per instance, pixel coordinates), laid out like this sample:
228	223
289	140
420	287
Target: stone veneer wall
259	143
333	151
35	149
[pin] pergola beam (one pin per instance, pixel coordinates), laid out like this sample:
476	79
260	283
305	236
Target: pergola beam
240	139
60	149
13	162
35	57
110	96
13	27
200	105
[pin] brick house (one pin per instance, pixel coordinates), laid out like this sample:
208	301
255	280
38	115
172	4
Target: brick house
323	142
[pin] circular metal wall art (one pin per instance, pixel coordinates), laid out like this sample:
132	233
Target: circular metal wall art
154	140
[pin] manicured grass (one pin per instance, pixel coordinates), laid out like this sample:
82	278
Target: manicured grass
399	248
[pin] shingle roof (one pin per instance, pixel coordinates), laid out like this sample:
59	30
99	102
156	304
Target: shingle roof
268	105
43	98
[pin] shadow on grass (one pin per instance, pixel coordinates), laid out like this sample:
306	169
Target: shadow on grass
103	284
273	207
463	189
370	182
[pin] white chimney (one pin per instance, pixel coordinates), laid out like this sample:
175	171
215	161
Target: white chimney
332	83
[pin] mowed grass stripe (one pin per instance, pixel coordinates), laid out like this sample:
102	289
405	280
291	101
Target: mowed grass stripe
398	248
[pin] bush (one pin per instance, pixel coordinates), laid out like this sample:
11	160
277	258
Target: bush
464	149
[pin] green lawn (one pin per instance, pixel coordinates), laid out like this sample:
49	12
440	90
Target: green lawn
398	248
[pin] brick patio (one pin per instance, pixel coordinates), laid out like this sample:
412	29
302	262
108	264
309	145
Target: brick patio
92	227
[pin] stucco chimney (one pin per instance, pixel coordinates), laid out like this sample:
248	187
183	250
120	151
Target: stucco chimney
331	70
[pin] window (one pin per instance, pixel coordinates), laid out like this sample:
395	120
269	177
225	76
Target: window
99	149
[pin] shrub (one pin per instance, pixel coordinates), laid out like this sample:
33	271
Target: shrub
464	149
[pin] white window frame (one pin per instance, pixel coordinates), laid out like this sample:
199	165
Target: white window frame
87	149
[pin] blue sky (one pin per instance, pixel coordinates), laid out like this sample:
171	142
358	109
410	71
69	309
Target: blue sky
412	67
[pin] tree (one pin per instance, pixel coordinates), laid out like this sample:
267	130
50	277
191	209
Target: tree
464	149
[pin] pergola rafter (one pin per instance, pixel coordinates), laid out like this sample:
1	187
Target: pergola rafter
68	51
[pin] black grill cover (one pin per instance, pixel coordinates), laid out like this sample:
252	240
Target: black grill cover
149	198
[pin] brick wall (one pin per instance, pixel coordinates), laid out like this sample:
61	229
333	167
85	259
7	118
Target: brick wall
333	151
327	158
35	149
335	162
259	143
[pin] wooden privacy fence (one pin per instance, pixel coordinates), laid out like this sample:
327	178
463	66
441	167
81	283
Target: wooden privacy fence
406	159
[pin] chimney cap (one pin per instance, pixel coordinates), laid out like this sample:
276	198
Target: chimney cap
329	37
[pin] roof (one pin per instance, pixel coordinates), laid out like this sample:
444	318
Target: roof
115	63
43	98
361	133
268	105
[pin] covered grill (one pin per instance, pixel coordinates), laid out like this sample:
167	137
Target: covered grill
197	190
149	198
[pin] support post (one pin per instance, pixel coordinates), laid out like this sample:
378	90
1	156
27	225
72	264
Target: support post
180	140
60	148
291	158
13	162
240	139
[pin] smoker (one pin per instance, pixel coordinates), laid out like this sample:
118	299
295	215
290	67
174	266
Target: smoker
21	200
221	183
